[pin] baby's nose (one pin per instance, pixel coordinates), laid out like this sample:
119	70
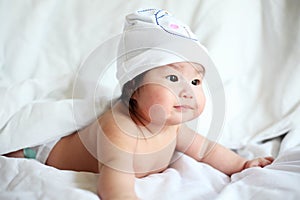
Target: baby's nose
186	95
186	92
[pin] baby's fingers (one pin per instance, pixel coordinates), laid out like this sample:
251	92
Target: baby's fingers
259	162
265	161
269	158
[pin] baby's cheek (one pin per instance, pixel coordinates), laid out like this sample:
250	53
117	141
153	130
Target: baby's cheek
157	113
201	103
198	113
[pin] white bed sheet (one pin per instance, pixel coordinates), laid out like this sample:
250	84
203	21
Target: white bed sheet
255	45
185	179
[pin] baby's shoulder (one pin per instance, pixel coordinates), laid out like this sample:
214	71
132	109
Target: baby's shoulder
118	126
116	117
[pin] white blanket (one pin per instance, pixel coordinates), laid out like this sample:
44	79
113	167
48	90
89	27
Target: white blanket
185	179
255	45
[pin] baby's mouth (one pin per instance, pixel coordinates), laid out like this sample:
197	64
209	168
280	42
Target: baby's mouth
183	107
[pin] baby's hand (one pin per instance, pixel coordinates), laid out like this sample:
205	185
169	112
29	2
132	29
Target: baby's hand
258	162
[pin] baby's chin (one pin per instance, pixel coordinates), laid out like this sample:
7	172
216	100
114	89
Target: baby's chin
180	120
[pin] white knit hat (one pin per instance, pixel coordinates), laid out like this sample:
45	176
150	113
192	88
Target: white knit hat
153	38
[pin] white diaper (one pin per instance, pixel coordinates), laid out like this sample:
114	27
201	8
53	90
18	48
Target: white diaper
40	152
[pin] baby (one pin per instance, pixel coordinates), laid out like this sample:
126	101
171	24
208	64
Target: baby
161	66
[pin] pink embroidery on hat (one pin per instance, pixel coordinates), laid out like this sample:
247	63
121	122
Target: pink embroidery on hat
174	26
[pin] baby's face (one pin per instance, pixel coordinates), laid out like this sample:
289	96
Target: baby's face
171	94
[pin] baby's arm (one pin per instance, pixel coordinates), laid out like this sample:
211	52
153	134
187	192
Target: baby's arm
214	154
114	184
115	151
229	162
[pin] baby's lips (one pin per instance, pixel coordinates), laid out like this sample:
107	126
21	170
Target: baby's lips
183	107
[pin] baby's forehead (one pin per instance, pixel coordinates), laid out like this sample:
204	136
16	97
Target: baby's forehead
185	66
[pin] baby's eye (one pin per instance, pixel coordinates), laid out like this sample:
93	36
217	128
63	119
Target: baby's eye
172	78
196	82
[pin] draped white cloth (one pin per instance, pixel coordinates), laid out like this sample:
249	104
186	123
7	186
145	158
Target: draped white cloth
255	45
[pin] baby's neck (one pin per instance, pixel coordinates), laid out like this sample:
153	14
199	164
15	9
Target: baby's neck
151	129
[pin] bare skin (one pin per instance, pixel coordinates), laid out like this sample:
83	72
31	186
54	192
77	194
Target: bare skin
122	183
134	146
